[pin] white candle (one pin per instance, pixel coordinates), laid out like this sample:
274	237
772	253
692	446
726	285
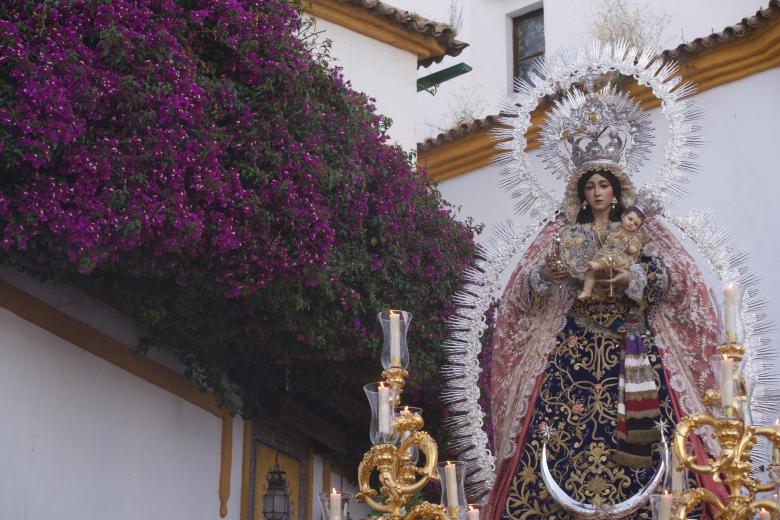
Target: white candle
383	395
730	311
726	382
665	509
451	478
473	513
395	338
764	515
677	475
335	505
776	448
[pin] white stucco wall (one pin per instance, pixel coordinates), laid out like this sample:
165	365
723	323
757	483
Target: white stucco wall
488	30
383	72
738	180
83	439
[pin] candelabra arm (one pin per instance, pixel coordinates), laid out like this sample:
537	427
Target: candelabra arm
765	488
695	497
770	432
769	505
365	468
686	427
427	510
428	447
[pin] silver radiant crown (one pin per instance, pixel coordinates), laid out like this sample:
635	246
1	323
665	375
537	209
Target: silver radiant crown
595	127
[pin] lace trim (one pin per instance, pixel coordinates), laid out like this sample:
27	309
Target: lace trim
637	281
539	285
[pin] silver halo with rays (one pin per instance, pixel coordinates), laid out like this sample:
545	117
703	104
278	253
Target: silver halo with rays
482	280
559	74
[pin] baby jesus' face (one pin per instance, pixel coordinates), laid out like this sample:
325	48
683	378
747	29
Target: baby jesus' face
632	220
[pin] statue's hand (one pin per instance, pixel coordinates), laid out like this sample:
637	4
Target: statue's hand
619	280
554	275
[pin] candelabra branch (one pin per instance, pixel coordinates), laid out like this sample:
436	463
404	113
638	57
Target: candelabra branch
732	467
428	447
379	457
427	510
684	429
695	497
769	505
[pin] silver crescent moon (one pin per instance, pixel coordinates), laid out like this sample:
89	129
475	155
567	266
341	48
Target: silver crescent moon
607	511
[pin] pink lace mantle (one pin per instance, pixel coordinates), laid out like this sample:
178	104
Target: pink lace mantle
683	325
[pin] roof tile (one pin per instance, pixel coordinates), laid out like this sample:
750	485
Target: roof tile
443	33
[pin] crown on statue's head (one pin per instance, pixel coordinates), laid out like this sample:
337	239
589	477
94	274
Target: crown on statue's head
594	127
598	128
595	152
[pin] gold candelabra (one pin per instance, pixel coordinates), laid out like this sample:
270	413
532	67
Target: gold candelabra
399	440
733	466
399	476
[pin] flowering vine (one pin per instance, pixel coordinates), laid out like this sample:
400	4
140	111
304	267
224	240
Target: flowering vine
192	161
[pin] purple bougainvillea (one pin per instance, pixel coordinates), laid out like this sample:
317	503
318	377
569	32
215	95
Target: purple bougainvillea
195	164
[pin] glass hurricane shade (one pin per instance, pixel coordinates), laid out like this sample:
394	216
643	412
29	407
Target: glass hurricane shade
330	498
728	304
414	452
395	325
663	506
382	399
453	493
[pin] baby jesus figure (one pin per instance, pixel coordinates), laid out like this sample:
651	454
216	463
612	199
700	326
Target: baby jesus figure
619	249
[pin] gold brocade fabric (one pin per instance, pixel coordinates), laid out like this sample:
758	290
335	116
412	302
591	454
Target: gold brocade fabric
576	409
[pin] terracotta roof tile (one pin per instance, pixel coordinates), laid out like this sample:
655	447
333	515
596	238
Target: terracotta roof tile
442	32
458	132
731	33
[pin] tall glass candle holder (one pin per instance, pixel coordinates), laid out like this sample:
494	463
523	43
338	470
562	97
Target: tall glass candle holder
414	453
395	324
334	505
774	457
675	479
453	492
726	371
662	506
382	398
728	304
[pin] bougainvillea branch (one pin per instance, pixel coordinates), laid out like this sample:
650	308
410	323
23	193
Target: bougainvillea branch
192	161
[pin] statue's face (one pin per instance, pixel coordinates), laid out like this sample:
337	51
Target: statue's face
598	193
631	221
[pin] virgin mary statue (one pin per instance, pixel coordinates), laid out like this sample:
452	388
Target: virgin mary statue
595	378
